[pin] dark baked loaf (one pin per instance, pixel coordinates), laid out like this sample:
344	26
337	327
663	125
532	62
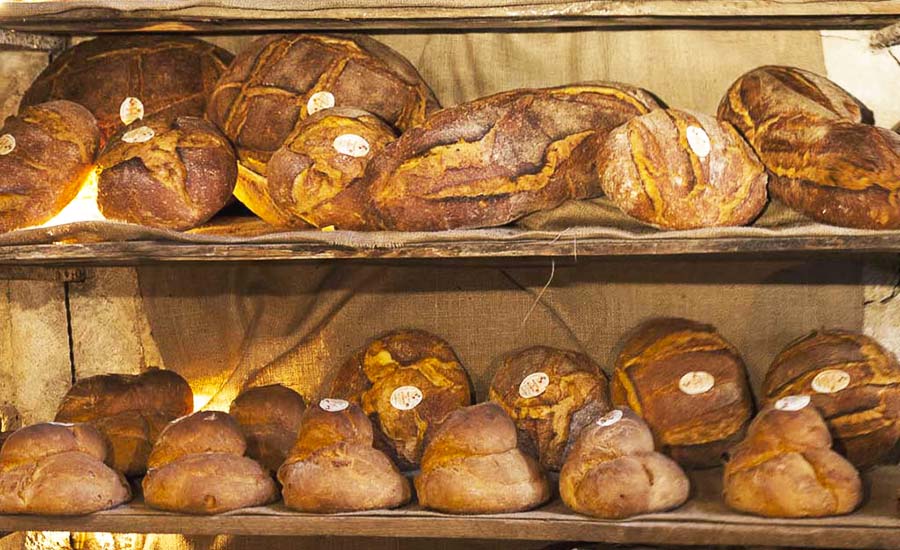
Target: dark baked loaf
315	176
407	381
853	382
827	162
490	161
681	170
168	76
175	174
786	468
46	152
269	417
689	384
551	394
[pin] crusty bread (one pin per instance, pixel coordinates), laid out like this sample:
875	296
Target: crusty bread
785	467
551	394
613	470
269	417
472	465
333	466
201	432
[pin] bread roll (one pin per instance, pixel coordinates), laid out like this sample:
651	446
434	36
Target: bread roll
407	381
681	170
57	469
197	467
119	77
826	161
315	177
853	382
786	468
130	410
46	153
551	394
334	468
614	472
175	174
472	465
269	417
490	161
690	386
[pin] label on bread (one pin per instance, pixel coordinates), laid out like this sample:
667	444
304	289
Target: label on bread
792	403
534	385
696	382
333	405
7	144
138	135
830	381
351	145
610	418
698	139
130	110
319	101
406	398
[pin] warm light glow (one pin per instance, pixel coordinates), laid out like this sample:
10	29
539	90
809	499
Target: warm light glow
206	402
200	401
107	541
47	540
83	207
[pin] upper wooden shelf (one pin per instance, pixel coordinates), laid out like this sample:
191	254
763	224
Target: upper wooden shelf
89	16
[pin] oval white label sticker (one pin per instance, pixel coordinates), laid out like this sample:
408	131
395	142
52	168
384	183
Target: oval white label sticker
406	398
130	110
7	144
696	382
698	139
319	101
351	145
333	405
610	418
534	385
138	135
792	403
830	381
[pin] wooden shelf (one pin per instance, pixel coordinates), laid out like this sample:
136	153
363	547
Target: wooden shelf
91	16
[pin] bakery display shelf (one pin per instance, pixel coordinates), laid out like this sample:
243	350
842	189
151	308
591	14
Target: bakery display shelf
254	15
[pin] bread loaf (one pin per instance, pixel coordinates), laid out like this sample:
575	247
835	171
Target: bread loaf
826	161
493	160
58	469
853	382
472	465
130	410
197	467
786	468
175	174
333	466
407	381
551	394
269	417
124	78
45	155
613	470
315	177
681	170
690	386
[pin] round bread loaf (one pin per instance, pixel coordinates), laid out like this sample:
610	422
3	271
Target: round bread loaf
123	78
826	161
57	469
133	434
334	468
786	468
472	465
269	417
690	386
201	432
551	394
681	170
613	470
853	382
176	174
407	381
314	177
46	153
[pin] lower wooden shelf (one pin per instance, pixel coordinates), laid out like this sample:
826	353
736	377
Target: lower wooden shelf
703	520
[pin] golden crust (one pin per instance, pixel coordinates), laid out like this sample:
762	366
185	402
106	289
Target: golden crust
269	417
